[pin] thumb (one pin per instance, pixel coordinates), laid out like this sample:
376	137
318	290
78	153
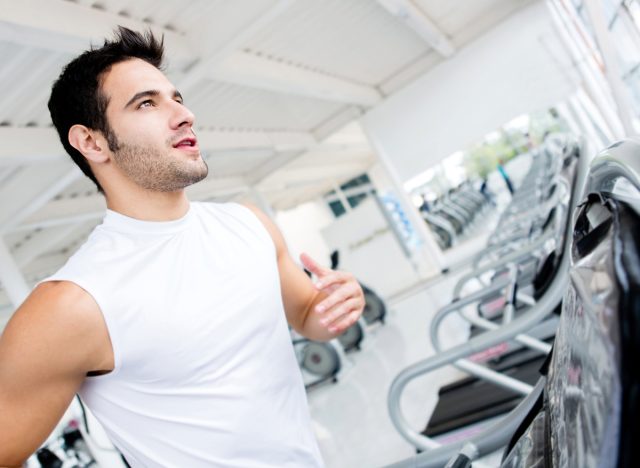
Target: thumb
311	265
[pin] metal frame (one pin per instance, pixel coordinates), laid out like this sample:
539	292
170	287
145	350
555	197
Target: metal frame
496	436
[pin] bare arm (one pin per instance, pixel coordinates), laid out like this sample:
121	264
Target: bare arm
46	350
319	312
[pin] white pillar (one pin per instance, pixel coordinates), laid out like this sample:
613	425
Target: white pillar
11	277
430	253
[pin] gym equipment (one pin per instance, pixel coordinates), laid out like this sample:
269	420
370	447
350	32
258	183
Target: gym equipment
507	332
351	338
320	362
375	309
66	450
454	213
473	399
583	410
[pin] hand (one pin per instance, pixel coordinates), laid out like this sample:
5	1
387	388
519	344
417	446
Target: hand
344	303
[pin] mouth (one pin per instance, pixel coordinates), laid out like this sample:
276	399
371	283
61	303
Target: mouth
189	143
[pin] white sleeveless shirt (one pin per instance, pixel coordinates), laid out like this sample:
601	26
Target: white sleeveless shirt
205	374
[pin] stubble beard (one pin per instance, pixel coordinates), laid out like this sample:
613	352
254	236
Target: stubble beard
154	169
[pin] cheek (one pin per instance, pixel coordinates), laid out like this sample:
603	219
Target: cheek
144	132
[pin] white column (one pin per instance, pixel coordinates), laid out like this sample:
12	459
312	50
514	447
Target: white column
430	254
11	277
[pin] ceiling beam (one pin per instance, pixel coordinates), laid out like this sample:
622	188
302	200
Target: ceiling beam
247	69
67	27
41	241
318	173
29	145
271	166
46	193
31	188
215	140
418	20
201	69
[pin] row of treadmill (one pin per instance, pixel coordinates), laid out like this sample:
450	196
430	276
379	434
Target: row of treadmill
553	308
451	216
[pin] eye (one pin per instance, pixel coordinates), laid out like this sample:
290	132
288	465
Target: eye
145	103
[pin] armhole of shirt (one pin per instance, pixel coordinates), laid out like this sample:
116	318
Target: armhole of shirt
111	328
258	224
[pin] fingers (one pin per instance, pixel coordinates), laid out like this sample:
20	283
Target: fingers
340	294
343	314
345	321
313	266
332	278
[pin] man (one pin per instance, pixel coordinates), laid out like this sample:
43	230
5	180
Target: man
171	320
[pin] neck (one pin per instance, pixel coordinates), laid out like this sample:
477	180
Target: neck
150	206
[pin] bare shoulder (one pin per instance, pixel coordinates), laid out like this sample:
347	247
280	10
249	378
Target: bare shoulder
61	302
60	313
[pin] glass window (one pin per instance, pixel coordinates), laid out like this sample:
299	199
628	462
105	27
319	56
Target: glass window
356	199
337	208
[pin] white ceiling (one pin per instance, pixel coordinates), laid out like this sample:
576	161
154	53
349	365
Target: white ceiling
270	83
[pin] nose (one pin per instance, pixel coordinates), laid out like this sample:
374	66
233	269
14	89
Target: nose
181	116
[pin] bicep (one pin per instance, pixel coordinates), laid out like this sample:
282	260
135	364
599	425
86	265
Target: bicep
41	368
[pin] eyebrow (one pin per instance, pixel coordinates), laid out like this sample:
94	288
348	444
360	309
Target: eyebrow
150	93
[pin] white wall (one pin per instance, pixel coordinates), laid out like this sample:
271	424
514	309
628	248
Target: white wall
518	67
370	250
301	228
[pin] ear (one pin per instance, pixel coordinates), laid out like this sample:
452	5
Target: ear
89	143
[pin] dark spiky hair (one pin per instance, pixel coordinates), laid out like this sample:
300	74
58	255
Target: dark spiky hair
76	96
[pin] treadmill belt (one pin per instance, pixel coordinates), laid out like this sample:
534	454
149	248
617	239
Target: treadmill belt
471	400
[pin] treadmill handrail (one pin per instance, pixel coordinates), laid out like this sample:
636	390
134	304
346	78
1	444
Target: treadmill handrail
502	262
490	439
518	326
555	292
618	160
479	257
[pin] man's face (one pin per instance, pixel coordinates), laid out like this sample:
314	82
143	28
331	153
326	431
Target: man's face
151	139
